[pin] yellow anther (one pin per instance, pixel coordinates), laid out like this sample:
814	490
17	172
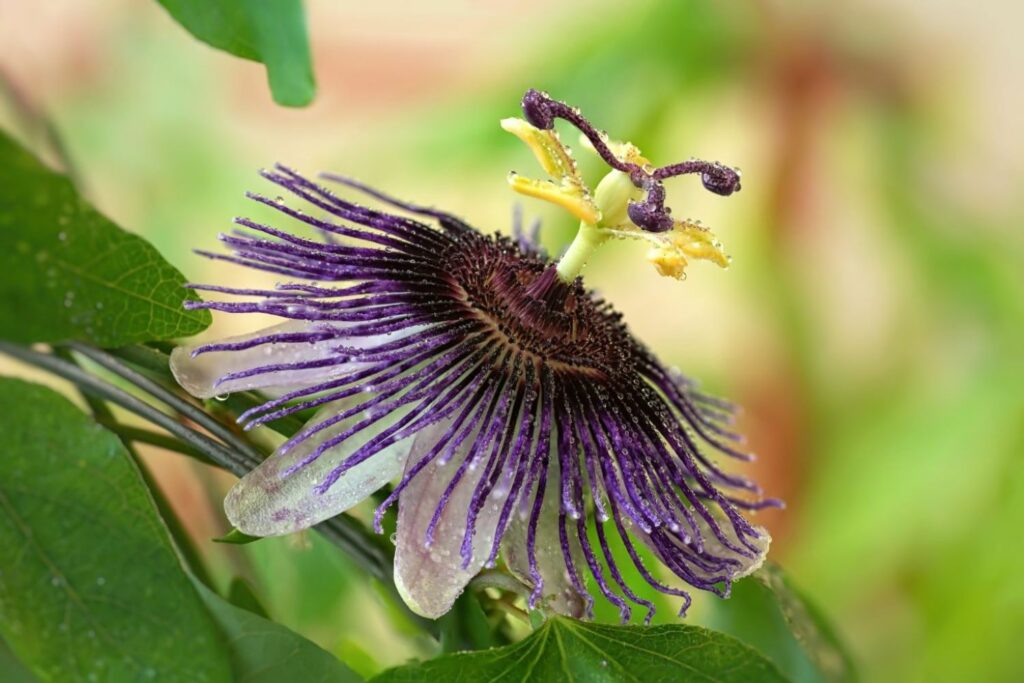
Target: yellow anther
686	239
668	262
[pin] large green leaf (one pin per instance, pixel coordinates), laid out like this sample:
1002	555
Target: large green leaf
90	586
268	31
568	650
68	272
11	670
265	652
766	612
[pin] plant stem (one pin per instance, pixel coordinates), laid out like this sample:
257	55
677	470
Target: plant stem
588	238
168	443
164	395
234	462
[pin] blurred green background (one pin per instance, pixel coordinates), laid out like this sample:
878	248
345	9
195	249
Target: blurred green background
872	322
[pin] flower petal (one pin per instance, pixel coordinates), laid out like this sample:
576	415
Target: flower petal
198	375
268	502
429	579
558	594
712	548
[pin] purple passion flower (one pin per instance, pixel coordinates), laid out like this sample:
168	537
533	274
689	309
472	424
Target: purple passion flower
510	407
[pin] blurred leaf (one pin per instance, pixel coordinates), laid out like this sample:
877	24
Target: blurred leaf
975	636
923	444
32	122
564	649
241	594
265	652
268	31
89	581
766	612
67	272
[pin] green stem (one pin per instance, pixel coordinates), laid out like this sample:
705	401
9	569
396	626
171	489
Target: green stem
168	443
174	401
223	456
588	238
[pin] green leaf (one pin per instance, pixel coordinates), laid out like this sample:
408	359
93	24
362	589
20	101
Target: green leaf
568	650
268	31
67	272
241	594
236	537
766	612
265	652
90	586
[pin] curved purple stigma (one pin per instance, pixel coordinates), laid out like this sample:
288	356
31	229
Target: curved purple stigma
651	214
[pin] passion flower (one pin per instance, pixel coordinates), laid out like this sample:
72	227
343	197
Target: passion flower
514	413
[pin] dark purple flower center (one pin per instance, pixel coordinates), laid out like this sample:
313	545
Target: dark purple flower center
531	311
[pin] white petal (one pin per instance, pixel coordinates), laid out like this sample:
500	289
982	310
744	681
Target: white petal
265	503
558	595
715	548
749	565
430	579
198	376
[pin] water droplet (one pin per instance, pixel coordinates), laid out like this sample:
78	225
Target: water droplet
394	538
100	581
220	397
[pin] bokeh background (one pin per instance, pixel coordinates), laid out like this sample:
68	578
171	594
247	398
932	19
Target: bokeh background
872	322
